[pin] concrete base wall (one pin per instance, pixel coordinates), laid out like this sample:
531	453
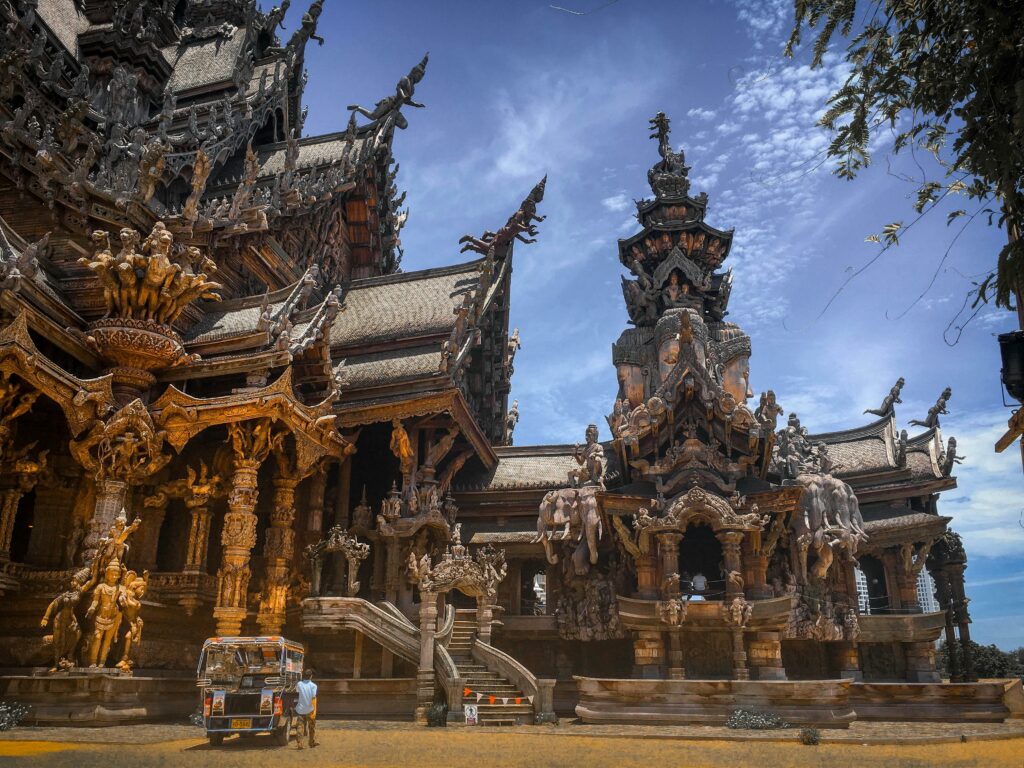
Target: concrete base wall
984	702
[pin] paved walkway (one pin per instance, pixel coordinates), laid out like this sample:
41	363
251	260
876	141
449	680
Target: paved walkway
372	743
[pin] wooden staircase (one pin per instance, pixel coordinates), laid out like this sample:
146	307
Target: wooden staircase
477	678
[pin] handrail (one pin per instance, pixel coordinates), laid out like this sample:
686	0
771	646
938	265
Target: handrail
444	632
387	626
541	689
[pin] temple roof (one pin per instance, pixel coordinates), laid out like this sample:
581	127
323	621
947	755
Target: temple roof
391	365
402	306
204	62
530	467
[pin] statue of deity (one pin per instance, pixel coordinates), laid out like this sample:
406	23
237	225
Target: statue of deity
105	613
66	631
591	461
130	601
675	294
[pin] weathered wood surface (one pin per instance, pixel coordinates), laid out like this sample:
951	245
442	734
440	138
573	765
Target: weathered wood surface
821	703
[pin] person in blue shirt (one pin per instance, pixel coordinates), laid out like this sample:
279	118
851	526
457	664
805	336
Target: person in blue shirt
305	708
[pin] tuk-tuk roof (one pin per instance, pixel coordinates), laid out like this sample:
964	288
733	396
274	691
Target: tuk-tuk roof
264	640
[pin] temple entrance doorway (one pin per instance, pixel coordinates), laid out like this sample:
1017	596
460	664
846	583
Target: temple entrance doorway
700	553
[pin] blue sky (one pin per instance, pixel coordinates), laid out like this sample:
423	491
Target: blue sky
516	89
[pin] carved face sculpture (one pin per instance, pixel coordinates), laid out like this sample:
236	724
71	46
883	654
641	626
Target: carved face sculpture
736	378
591	434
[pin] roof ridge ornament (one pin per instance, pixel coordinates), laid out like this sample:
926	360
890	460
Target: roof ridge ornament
390	106
667	178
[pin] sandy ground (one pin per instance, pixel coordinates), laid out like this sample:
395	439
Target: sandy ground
402	744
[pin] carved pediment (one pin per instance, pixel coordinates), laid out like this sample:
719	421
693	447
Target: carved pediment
693	273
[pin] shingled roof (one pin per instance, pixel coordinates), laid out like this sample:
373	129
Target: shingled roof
391	366
862	449
204	62
530	467
405	305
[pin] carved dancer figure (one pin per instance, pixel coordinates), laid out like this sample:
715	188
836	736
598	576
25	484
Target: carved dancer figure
130	601
889	403
931	421
105	614
66	631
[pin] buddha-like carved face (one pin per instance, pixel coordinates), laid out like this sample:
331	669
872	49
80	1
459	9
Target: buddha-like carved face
736	378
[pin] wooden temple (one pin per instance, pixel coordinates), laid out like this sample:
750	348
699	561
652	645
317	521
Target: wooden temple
224	409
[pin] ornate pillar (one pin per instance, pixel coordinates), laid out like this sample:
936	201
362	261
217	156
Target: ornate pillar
676	670
198	535
111	493
766	656
143	555
277	555
315	506
739	656
668	550
425	673
731	541
251	442
9	500
648	654
124	450
647	586
484	618
942	592
961	617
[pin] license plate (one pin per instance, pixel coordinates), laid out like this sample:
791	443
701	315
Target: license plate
241	722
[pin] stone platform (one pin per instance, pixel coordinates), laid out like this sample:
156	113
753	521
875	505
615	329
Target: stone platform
91	698
101	697
820	703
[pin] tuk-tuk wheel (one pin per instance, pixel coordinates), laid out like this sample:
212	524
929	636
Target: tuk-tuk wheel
216	739
283	732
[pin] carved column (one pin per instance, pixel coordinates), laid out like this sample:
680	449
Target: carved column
676	670
110	497
198	536
942	592
251	443
9	500
648	654
961	617
731	541
668	549
277	555
647	586
315	506
739	656
484	618
143	555
425	673
849	661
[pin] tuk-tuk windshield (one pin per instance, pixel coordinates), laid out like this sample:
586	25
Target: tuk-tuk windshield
228	663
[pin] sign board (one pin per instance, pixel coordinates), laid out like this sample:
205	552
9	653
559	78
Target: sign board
472	714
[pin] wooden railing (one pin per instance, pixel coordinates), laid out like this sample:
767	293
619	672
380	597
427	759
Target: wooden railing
541	689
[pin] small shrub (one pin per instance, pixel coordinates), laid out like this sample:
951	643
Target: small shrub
810	736
749	719
196	718
437	716
11	713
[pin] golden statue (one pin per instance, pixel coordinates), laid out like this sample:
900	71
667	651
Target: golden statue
133	587
66	631
401	447
105	613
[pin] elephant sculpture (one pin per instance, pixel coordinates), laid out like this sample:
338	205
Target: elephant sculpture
829	518
575	511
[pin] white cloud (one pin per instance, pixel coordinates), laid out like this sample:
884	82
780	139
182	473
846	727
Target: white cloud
618	202
699	113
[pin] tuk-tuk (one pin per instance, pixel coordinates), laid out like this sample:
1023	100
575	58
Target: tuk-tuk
248	686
